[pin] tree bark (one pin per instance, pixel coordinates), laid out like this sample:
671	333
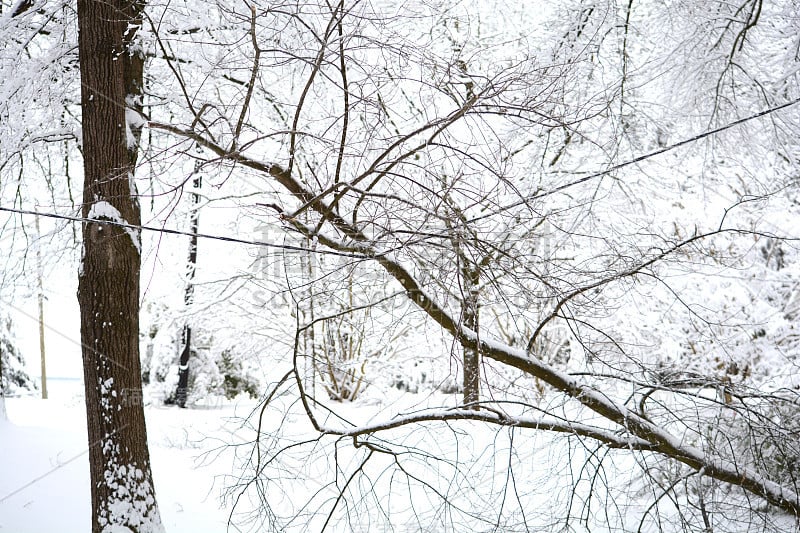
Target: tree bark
183	369
469	276
469	317
108	283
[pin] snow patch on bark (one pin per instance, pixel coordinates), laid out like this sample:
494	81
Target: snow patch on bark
106	389
133	121
116	528
134	193
103	210
132	505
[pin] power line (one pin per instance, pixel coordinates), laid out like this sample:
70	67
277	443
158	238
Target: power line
169	231
639	159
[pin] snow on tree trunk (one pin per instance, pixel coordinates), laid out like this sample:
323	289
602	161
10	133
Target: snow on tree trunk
123	497
183	370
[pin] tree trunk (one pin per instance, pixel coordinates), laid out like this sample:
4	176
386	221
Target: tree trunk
469	317
469	277
183	369
108	283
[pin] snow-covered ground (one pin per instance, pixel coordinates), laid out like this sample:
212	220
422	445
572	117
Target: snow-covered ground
44	484
494	479
44	464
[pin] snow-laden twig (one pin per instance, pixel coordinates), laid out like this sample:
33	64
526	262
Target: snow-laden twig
546	424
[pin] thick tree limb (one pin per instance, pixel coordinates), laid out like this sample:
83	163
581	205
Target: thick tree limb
647	433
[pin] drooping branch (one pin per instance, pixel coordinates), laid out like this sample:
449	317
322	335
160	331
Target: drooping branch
445	415
658	439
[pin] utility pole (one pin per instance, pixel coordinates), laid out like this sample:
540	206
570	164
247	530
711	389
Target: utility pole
41	307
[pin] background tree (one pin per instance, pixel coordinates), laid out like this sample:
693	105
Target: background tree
13	376
186	338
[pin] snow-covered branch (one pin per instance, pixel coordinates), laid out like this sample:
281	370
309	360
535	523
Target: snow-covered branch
545	424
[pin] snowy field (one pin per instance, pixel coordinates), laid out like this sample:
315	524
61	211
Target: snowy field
44	486
45	481
200	458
